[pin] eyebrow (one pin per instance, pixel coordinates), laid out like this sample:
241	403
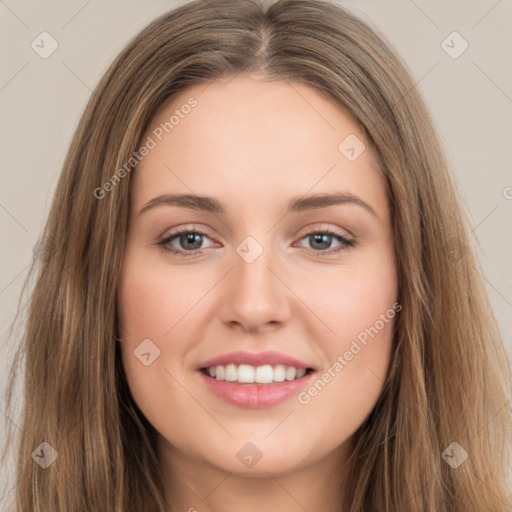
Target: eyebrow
296	204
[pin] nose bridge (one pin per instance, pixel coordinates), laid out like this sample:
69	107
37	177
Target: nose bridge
252	273
254	296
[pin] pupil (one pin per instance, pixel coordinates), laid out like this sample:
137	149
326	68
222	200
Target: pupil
191	238
322	238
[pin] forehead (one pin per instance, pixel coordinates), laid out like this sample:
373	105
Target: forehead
254	115
247	137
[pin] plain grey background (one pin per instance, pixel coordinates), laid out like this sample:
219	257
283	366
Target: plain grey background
465	78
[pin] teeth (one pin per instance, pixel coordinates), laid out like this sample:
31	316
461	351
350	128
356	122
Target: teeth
247	374
300	373
264	374
279	373
291	373
231	373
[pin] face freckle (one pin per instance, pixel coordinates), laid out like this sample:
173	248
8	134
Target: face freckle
265	275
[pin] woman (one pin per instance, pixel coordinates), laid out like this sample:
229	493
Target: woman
328	343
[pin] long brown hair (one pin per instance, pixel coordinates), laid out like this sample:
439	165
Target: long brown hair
448	380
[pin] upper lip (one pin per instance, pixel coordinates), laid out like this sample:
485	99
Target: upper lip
254	359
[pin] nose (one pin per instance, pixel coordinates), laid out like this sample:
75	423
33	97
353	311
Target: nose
254	297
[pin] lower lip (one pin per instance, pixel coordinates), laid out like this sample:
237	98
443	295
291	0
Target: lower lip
256	396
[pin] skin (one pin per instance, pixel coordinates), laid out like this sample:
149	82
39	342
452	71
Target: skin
253	145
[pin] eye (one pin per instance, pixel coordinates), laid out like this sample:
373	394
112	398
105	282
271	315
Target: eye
189	240
322	240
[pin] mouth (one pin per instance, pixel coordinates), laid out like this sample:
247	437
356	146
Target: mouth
245	374
255	381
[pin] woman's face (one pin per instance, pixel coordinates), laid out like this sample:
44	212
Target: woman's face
273	274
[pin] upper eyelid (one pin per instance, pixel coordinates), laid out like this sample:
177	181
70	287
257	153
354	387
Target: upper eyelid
310	231
318	227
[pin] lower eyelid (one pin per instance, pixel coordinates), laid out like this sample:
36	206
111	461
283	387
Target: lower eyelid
345	243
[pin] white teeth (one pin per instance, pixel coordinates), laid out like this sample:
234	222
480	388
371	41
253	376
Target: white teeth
279	373
291	373
247	374
264	374
231	373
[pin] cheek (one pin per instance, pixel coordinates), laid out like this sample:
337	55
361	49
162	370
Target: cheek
153	298
355	299
347	389
361	312
148	307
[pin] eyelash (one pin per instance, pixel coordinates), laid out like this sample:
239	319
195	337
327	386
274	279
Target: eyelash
345	242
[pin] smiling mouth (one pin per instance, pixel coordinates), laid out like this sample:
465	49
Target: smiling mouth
245	374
